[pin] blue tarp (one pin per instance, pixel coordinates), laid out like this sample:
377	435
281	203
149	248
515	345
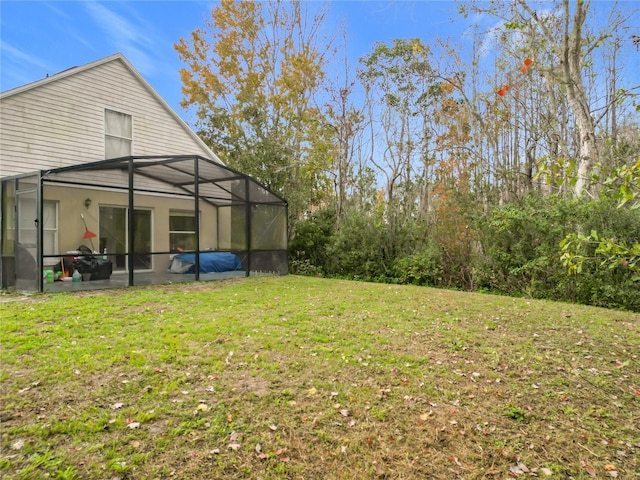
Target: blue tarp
212	262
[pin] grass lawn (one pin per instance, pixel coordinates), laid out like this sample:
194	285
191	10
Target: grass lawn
305	378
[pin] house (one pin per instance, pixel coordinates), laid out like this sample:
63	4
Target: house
94	157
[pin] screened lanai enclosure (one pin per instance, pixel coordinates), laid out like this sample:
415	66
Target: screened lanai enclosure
138	220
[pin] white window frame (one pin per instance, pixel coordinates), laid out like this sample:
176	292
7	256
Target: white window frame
121	137
180	213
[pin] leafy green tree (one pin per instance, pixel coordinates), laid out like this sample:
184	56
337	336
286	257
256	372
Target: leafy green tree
252	73
623	185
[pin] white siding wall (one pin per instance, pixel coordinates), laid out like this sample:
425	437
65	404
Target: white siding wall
61	122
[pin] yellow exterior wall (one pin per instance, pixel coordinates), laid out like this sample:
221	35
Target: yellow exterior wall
71	207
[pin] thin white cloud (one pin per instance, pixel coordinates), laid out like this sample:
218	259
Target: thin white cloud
60	13
127	36
17	56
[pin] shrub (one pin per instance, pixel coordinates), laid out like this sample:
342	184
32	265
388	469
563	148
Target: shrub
423	268
521	253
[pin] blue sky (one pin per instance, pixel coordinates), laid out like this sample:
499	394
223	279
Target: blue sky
46	37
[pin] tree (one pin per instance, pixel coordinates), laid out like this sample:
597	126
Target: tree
342	133
563	43
253	74
396	78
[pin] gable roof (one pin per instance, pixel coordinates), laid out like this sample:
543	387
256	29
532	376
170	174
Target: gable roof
118	57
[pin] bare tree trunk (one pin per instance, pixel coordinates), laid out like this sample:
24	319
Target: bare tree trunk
570	53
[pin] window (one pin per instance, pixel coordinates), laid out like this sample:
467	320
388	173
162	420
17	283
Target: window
117	134
182	230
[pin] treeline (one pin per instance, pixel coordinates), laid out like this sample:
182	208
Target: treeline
509	164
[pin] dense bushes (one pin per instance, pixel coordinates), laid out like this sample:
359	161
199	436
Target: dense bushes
512	249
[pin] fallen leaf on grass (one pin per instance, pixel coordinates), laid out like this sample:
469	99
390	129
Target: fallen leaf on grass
203	407
229	355
588	468
519	469
117	405
546	471
134	425
18	444
609	467
234	446
215	451
425	416
258	448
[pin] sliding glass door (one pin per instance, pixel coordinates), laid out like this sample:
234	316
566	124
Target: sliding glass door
114	237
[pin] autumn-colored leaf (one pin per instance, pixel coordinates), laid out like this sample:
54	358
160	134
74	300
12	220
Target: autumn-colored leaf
425	416
588	468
